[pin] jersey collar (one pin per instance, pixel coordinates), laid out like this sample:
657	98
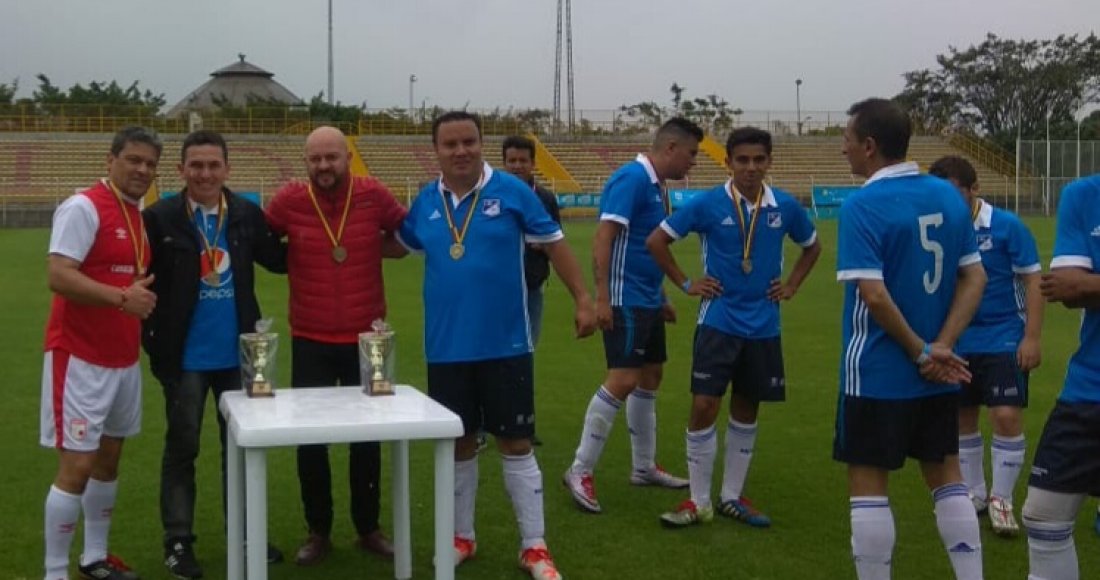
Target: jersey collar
985	215
648	165
767	201
903	169
486	175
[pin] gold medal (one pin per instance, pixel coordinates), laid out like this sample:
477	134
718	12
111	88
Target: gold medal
746	265
339	254
210	248
212	278
457	251
748	230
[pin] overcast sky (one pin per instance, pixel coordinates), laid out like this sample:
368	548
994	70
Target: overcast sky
501	52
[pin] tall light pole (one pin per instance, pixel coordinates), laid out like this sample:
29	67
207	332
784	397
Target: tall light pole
798	103
331	76
412	81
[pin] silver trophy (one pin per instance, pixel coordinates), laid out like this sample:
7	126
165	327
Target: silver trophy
258	351
377	359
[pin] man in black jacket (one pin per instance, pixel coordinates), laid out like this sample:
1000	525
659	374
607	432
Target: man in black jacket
204	243
519	160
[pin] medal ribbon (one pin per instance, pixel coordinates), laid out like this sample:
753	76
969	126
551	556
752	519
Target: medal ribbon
210	249
137	242
746	236
335	239
459	235
975	209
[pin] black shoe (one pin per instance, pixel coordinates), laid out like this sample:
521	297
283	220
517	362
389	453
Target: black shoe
179	557
536	441
274	555
110	568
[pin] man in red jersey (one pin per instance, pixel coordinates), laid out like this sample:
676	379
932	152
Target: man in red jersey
91	382
335	225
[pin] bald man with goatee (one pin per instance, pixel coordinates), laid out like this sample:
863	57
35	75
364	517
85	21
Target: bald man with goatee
335	225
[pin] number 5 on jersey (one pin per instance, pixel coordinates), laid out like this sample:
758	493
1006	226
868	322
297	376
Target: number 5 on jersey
926	222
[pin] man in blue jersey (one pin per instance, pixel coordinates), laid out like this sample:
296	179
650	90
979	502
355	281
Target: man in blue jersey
471	225
741	225
631	309
1001	346
913	280
1067	460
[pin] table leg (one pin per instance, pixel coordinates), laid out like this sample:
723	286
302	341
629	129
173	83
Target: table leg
402	534
444	509
235	509
255	466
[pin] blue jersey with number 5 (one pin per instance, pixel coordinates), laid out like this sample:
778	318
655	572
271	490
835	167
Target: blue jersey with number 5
913	232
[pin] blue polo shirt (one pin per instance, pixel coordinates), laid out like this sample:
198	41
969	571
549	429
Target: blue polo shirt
913	232
1008	251
743	309
633	198
1077	245
475	307
211	342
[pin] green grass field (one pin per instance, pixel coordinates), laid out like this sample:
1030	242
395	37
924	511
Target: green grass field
793	477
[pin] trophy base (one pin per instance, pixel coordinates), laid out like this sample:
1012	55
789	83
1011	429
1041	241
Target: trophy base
379	388
259	391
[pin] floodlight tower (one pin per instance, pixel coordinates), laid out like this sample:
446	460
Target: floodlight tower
565	7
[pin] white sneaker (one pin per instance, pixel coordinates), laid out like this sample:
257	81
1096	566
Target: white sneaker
583	490
657	476
537	562
1000	515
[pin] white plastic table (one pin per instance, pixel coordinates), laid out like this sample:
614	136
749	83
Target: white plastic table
334	415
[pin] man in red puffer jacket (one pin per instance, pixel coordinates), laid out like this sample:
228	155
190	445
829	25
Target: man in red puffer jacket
335	225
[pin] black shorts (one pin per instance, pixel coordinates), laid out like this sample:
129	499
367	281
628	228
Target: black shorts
637	337
496	395
1068	457
997	381
753	366
883	432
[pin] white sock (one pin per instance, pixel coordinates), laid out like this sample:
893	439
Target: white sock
62	512
465	498
958	525
597	424
872	536
523	480
641	420
98	502
1008	459
971	460
740	441
1051	551
702	446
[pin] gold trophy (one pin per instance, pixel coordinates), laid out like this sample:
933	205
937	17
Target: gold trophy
376	359
258	360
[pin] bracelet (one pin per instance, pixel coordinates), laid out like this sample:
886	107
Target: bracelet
686	285
122	299
925	355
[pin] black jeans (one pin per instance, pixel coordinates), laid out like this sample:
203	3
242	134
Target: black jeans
318	364
184	403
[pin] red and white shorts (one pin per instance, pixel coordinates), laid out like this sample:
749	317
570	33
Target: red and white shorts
81	402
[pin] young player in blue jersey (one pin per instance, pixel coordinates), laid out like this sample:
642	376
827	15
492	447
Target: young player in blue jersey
1067	460
631	309
1001	347
913	280
471	226
741	225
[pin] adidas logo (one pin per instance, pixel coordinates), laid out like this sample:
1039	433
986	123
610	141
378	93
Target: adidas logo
435	215
1096	232
962	548
728	221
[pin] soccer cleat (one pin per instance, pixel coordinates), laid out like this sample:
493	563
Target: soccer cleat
464	550
1000	515
583	490
980	503
740	509
110	568
657	476
687	514
179	557
537	562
